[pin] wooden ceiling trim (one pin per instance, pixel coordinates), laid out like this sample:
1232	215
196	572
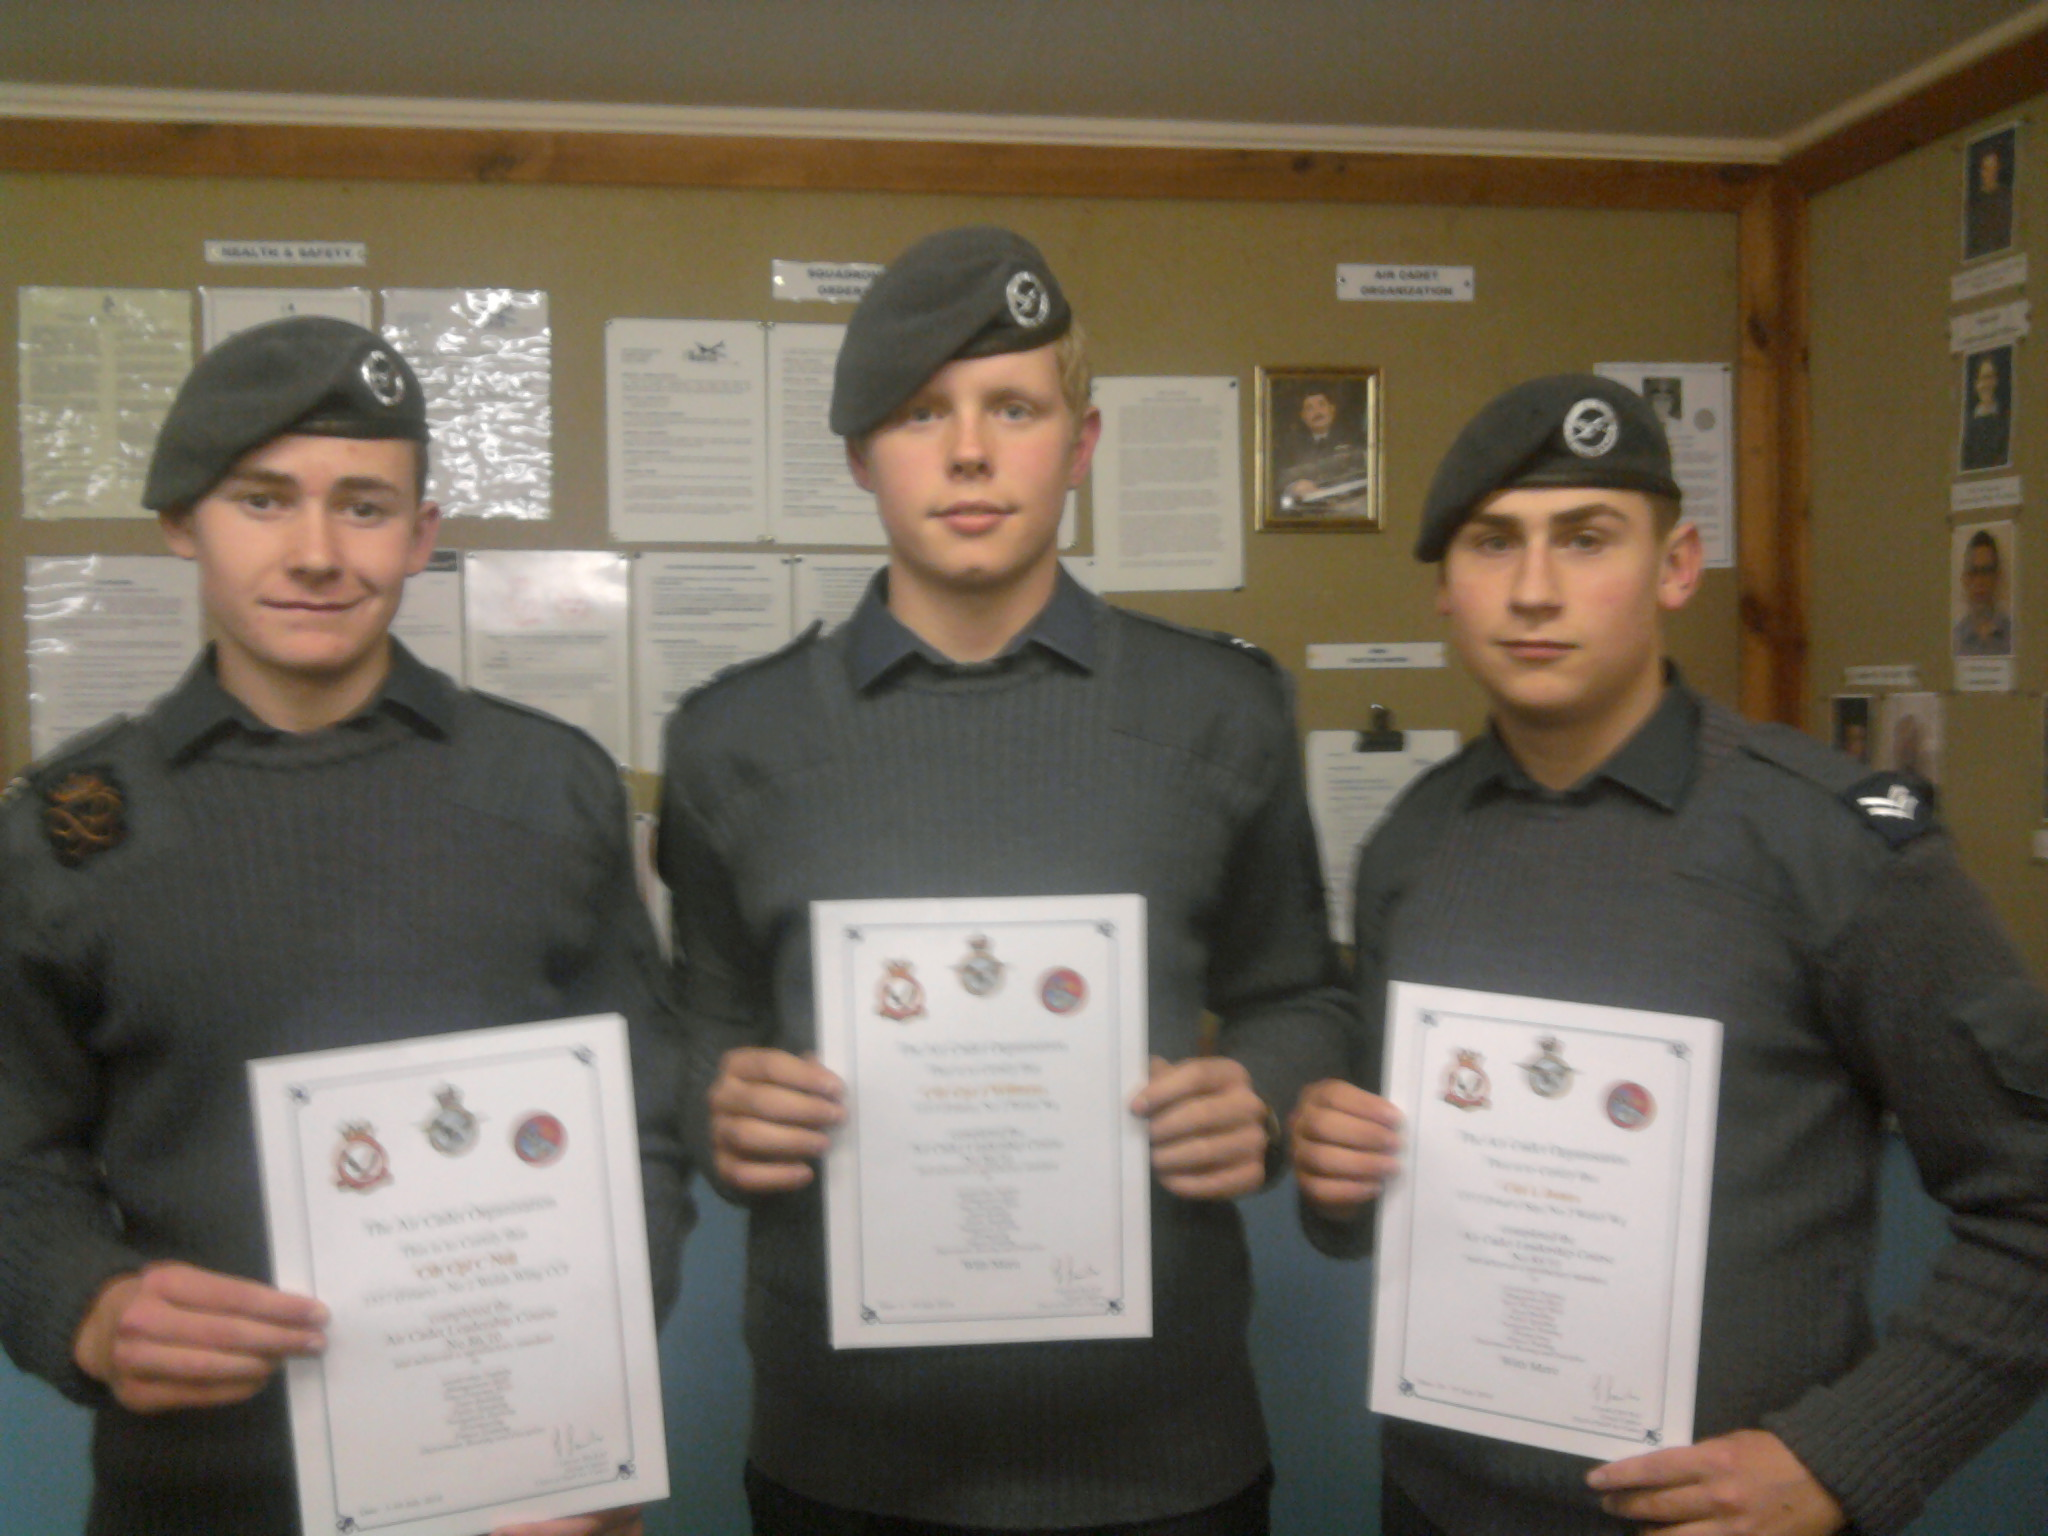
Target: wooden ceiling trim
76	146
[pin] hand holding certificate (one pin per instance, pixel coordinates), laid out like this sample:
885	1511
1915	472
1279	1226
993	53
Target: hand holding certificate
468	1208
990	1183
1542	1258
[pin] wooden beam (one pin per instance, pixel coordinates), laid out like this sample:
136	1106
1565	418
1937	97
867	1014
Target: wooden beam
1991	84
1771	472
74	146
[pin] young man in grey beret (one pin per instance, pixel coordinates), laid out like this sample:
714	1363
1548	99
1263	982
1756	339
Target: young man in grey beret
313	841
1616	839
983	727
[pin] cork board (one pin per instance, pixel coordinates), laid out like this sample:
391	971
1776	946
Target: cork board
1163	286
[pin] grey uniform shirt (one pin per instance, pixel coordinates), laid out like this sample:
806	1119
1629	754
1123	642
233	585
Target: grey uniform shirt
1718	868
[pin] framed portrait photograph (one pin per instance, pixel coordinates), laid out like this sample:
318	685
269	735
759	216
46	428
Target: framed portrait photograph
1909	734
1850	714
1990	171
1986	438
1319	450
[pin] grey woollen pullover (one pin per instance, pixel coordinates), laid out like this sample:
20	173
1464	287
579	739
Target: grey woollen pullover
1106	753
1719	868
442	861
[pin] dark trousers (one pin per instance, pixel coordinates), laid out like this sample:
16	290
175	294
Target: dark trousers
1400	1517
779	1512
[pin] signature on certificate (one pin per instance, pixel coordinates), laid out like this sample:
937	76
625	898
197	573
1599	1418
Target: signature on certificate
572	1440
1068	1272
1605	1391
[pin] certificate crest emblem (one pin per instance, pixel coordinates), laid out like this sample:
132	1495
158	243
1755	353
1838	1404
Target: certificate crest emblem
1549	1076
360	1163
1062	990
981	973
1465	1083
541	1139
1631	1106
451	1129
900	995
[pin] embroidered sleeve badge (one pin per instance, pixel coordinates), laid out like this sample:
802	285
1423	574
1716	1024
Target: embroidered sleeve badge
84	813
1898	807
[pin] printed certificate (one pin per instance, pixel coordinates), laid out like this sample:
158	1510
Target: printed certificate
990	1184
1542	1256
468	1206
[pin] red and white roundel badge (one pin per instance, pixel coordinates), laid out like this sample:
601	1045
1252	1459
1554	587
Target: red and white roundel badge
540	1140
1630	1106
360	1162
1062	990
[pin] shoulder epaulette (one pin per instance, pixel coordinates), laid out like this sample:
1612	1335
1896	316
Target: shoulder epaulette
753	663
1799	754
1898	807
535	712
86	743
1228	641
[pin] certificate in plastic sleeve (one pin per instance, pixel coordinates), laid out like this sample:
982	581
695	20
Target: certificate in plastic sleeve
990	1184
1543	1253
468	1206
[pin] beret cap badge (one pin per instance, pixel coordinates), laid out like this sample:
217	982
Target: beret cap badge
1591	428
382	378
84	813
1030	305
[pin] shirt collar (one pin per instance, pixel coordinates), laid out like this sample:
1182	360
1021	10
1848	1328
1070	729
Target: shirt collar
877	642
199	708
1657	763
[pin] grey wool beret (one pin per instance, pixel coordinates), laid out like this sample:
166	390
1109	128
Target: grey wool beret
971	292
306	373
1569	429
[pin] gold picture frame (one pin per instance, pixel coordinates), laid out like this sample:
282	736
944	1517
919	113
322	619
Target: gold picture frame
1318	450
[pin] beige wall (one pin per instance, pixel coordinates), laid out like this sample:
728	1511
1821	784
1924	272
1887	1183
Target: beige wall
1165	287
1886	412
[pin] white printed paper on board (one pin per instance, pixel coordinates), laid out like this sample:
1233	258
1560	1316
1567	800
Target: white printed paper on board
107	635
825	589
1168	492
686	431
98	370
1349	793
693	616
225	311
548	628
429	618
812	496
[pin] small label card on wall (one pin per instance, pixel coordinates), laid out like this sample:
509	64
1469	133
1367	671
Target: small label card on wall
1343	658
1391	282
1989	278
1902	679
1988	327
287	253
827	282
1969	495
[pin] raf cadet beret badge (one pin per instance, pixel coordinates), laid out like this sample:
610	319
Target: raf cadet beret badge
84	813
